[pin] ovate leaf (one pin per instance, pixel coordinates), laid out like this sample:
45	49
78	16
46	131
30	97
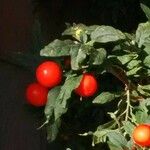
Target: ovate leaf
128	127
53	129
147	101
114	147
57	48
130	144
133	71
143	34
104	34
98	56
133	63
100	136
65	93
144	90
117	139
52	125
147	61
147	48
78	31
105	97
78	55
114	137
142	112
141	116
108	125
145	87
90	29
126	58
146	11
51	102
75	29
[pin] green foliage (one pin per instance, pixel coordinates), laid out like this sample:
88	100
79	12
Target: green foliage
57	48
102	49
142	34
51	103
128	127
117	139
146	11
147	61
105	34
105	97
50	109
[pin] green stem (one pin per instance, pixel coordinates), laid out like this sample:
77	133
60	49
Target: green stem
119	126
128	105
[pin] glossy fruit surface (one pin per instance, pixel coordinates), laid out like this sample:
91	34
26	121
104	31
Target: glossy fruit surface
49	74
36	94
88	85
141	135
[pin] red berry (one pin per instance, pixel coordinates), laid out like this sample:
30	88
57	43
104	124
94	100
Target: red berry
88	85
141	135
36	94
49	74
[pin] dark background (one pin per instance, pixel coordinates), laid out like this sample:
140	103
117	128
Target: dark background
26	26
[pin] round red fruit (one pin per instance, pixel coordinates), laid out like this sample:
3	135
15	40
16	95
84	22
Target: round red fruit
49	74
141	135
36	94
88	85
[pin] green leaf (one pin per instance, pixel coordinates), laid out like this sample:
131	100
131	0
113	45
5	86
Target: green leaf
144	90
58	97
143	34
100	136
147	120
53	129
147	101
57	104
147	61
114	147
146	10
78	31
114	137
78	55
117	139
108	125
70	84
98	56
126	58
105	97
57	48
133	71
53	125
104	34
73	29
84	38
130	144
147	48
141	113
148	72
141	116
128	127
90	29
51	102
133	63
145	87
